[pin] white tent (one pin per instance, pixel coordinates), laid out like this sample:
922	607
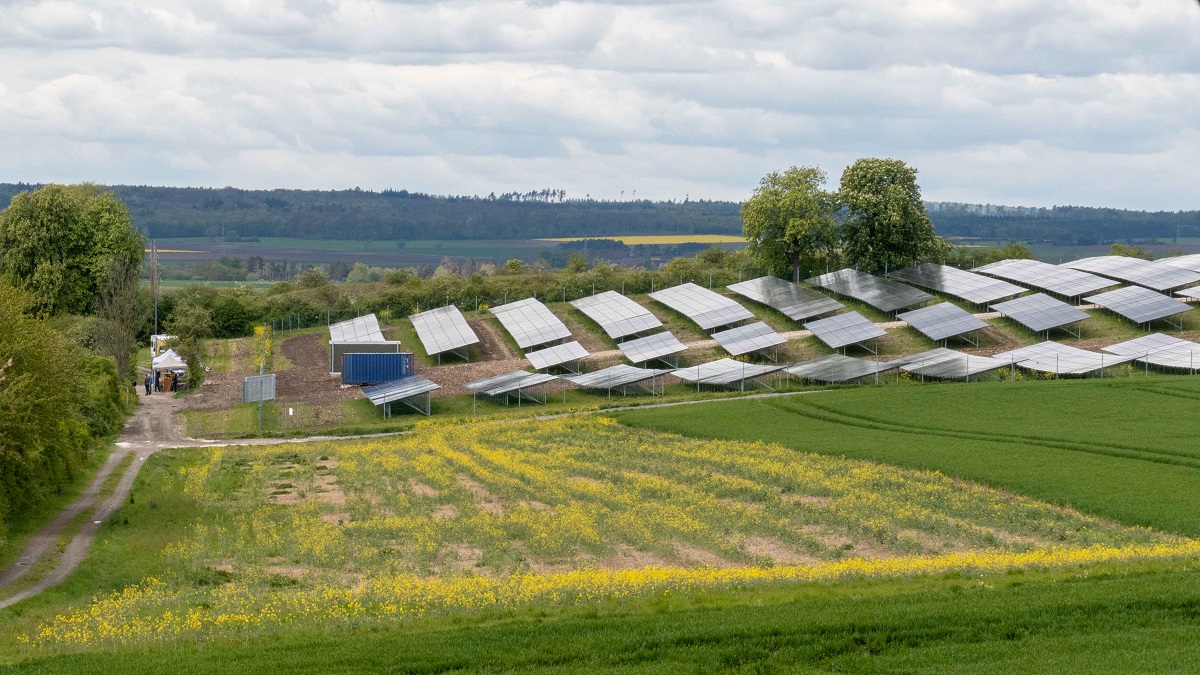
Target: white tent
169	361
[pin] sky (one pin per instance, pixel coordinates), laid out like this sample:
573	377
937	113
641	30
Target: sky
1019	102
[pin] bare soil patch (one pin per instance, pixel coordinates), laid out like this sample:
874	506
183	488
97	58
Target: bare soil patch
309	381
777	551
696	555
485	500
422	490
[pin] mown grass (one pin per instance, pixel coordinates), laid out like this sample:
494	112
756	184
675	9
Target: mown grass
1122	448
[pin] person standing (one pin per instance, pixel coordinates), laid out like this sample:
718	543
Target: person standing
147	382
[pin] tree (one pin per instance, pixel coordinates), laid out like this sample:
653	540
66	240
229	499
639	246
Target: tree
791	221
886	226
190	321
57	243
120	311
313	277
1131	251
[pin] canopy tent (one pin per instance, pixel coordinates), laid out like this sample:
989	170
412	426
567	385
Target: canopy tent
170	361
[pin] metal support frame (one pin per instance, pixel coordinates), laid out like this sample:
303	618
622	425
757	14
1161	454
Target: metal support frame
426	410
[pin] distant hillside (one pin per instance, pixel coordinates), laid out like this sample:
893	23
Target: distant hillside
401	215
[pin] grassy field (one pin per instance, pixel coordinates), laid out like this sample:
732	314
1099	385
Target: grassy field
1122	448
637	240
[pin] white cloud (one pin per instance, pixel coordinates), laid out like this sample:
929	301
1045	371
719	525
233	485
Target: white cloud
1016	101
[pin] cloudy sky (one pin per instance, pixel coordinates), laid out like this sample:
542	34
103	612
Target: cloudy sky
1031	102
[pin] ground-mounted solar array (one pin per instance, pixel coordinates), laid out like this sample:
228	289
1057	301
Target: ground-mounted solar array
882	294
942	321
754	337
1040	312
517	383
616	314
725	372
531	323
620	376
361	329
1136	271
444	329
835	368
796	302
1062	281
949	364
558	355
404	390
660	346
843	330
1060	359
1139	305
1160	350
1190	294
1187	262
974	288
706	308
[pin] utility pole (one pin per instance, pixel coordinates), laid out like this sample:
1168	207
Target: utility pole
154	283
262	362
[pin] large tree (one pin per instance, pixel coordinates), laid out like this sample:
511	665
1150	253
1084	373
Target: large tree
58	243
790	221
886	225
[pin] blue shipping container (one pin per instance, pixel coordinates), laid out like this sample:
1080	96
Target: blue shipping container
367	368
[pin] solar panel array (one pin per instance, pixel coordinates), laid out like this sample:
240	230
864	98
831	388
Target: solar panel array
1191	294
362	329
844	329
617	315
530	323
1039	312
651	347
1139	305
943	320
837	368
398	390
1136	271
949	364
750	338
882	294
724	372
1160	350
567	352
974	288
443	329
1052	357
707	309
796	302
507	383
1055	279
1187	262
620	375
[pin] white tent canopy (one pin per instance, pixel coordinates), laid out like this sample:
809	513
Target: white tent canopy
169	361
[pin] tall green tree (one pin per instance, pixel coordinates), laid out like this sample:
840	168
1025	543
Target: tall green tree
886	225
791	221
58	243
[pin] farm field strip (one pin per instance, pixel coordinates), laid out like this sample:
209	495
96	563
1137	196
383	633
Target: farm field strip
461	519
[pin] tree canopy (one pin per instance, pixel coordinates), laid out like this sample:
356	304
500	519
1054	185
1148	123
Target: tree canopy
886	225
790	221
57	243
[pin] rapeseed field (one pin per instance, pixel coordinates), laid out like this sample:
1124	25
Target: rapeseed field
481	519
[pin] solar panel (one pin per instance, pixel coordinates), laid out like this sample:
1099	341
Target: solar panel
620	375
1137	271
361	329
943	320
617	315
796	302
1040	312
752	337
651	347
949	364
507	383
1052	357
835	368
557	355
707	309
882	294
1160	350
1187	262
724	372
530	323
444	329
844	329
397	390
1139	305
1062	281
1190	294
974	288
